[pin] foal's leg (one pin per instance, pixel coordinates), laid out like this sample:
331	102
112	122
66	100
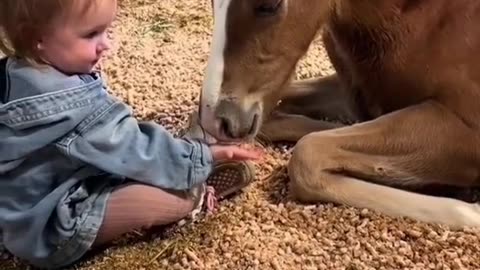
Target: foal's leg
308	106
319	98
292	127
411	148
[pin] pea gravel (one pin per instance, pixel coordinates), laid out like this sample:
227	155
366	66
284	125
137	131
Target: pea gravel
156	66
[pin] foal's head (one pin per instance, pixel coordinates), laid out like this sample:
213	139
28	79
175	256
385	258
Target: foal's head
256	45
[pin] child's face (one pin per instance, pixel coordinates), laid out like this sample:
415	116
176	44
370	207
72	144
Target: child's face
77	43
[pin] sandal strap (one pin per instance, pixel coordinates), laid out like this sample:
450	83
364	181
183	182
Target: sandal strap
211	199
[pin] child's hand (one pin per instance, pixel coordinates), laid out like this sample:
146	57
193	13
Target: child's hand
234	152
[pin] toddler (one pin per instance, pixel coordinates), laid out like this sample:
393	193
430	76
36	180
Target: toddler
77	170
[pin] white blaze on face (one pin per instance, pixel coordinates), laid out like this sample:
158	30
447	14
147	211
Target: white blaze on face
215	68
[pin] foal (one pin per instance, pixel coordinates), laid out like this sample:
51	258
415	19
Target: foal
407	88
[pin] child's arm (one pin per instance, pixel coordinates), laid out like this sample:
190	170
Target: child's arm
116	142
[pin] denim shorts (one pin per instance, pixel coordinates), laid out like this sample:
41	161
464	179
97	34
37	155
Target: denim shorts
75	234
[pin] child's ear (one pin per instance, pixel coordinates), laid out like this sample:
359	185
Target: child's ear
40	44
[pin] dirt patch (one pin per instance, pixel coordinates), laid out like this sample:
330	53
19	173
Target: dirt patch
157	66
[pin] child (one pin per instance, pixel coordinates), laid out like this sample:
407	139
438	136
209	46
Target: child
76	168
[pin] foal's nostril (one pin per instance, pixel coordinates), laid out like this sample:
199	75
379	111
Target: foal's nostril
226	126
231	131
235	122
254	125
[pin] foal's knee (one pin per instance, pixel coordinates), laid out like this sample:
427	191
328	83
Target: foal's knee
306	168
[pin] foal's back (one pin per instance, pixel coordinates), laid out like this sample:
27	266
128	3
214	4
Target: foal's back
393	54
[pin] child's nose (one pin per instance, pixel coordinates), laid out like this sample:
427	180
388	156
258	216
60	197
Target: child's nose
105	43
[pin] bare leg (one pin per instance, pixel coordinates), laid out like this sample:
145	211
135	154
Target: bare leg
139	206
361	165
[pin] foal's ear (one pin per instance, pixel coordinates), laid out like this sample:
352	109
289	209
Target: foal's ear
267	7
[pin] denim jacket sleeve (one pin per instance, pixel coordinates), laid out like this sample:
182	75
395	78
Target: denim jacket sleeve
114	141
76	113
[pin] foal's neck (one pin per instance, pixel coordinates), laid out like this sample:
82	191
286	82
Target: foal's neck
368	13
368	29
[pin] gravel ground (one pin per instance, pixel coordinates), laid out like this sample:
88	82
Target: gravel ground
156	67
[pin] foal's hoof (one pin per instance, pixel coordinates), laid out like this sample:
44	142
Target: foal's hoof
470	195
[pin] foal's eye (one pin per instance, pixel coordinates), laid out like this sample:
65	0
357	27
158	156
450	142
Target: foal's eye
267	7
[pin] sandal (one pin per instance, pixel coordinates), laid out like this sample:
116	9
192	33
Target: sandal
230	177
226	178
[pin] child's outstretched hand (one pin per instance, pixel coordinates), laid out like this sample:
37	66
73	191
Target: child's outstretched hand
234	152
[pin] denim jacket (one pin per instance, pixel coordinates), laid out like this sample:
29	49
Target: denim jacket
62	138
